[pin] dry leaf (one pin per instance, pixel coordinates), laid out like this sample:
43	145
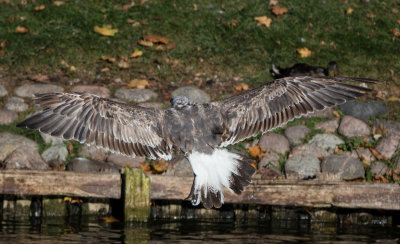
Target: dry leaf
108	59
161	48
40	78
254	151
110	219
137	53
104	70
263	20
376	154
40	7
146	167
155	39
72	68
277	10
304	52
21	30
241	87
337	115
273	2
58	3
160	166
123	64
396	32
145	43
393	99
138	83
105	30
349	11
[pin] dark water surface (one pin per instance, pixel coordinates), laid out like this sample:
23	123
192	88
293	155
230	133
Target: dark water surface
62	230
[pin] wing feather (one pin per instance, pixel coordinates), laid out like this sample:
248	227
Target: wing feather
115	126
282	100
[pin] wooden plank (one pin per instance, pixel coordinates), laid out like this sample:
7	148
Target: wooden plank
61	183
311	193
137	195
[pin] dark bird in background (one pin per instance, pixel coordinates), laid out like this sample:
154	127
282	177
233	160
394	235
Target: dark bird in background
302	69
200	131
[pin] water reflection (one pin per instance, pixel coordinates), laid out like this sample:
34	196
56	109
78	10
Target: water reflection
92	230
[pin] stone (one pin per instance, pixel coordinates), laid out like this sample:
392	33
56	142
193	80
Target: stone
125	161
317	151
326	113
326	141
194	94
86	166
29	90
274	142
271	160
379	168
24	157
391	127
296	134
48	139
388	145
180	167
328	126
365	156
270	174
96	90
343	166
364	110
9	142
3	91
93	152
350	126
303	165
7	116
57	152
135	95
16	104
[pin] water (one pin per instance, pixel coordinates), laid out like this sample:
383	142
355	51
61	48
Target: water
94	230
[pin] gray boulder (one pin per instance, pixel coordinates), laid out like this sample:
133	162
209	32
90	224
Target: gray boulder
296	134
135	95
9	142
350	126
7	116
16	104
25	157
302	165
274	142
56	152
328	126
379	168
96	90
326	141
31	89
194	94
364	110
343	166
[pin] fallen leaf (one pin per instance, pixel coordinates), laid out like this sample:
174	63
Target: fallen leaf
393	99
263	20
138	83
137	53
273	2
110	219
40	78
72	68
21	30
233	23
146	167
304	52
58	3
254	151
160	166
155	39
195	7
145	43
105	30
336	114
40	7
376	154
322	43
277	10
127	6
108	59
123	64
104	70
241	87
349	11
396	32
370	15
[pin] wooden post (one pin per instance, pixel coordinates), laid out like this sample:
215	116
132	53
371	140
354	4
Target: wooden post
137	195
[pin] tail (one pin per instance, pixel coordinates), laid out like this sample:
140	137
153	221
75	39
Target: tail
213	171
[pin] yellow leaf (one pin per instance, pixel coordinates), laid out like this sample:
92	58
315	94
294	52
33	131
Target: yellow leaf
161	48
138	83
263	20
145	43
277	10
396	32
67	199
108	59
254	151
21	30
58	3
393	99
155	39
123	65
160	166
40	7
72	68
110	219
241	87
349	10
105	30
136	53
104	70
304	52
337	115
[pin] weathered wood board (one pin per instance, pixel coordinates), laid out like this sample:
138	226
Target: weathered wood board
61	183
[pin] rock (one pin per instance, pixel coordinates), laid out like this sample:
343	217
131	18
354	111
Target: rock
9	142
96	90
274	142
363	110
3	91
317	151
326	113
7	116
303	165
86	166
94	153
135	95
57	152
48	139
350	126
123	160
271	160
296	134
16	104
388	145
365	156
328	126
32	89
25	157
379	168
180	167
194	94
153	105
270	174
343	166
326	141
391	127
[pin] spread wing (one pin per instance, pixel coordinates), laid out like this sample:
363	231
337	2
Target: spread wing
282	100
130	130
